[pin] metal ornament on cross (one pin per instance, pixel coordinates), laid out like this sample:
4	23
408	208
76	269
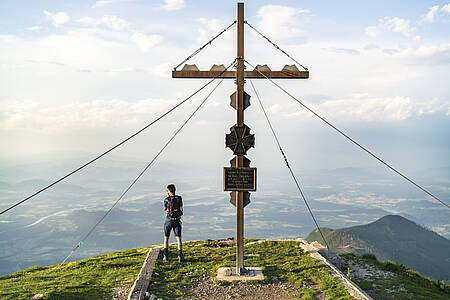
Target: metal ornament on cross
239	178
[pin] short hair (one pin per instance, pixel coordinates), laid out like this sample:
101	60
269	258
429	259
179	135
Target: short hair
171	188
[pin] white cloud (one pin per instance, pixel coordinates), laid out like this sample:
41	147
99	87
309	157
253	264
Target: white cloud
280	22
113	22
446	8
209	29
365	108
435	12
146	42
57	18
371	31
95	114
173	4
101	3
34	28
381	109
426	50
431	14
398	25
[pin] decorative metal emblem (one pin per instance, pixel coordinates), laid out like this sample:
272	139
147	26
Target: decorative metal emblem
240	139
246	198
246	100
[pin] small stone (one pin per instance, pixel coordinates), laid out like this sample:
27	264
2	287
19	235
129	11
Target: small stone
37	296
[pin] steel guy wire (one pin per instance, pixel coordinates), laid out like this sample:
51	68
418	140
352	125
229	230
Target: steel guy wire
119	144
276	46
287	164
140	174
350	139
202	47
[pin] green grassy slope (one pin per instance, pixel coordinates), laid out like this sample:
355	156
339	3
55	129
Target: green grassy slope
393	238
388	280
91	278
96	277
285	260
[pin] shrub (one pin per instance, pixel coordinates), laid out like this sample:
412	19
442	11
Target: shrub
369	256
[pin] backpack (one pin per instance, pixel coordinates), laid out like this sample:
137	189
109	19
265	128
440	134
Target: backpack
175	210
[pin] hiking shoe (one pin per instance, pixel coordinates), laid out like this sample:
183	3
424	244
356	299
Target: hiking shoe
165	257
181	259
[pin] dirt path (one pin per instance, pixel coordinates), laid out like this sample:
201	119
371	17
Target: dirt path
207	289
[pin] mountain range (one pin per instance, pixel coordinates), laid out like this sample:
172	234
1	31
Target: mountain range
394	238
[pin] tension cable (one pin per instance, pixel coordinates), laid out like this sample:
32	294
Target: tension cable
119	144
276	46
350	139
287	164
202	47
140	174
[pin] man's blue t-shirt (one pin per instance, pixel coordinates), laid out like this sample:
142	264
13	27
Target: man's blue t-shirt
166	205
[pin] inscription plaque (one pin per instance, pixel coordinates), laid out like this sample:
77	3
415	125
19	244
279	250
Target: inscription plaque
239	179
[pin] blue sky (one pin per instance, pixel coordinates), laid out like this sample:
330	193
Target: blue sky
78	76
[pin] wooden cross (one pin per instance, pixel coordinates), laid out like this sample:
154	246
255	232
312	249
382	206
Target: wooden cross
240	102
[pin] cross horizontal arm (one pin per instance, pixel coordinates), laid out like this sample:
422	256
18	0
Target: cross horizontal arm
248	74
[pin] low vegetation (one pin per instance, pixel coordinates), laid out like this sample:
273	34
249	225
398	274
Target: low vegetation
390	280
284	261
91	278
98	276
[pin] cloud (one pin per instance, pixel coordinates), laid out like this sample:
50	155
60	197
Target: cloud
446	8
382	109
112	22
343	50
173	4
97	114
434	13
371	31
431	14
209	29
440	51
146	42
58	18
398	25
371	46
34	28
390	51
366	108
281	22
102	3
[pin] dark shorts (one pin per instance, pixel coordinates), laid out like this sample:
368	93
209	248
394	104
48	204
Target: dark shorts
172	224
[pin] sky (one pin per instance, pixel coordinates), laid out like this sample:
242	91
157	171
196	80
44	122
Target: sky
79	76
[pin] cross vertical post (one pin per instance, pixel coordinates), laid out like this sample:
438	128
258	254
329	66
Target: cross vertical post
239	178
240	122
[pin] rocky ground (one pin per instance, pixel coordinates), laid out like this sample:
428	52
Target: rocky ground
207	289
121	293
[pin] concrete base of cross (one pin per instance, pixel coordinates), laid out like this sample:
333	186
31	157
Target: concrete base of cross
230	274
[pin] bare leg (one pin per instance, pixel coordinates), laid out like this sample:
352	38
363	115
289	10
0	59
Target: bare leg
180	250
166	248
180	244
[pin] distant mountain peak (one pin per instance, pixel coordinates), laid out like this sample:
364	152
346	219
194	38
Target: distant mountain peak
394	238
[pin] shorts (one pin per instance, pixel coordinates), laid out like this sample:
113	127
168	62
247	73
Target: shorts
170	224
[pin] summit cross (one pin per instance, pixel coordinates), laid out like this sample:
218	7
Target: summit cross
239	140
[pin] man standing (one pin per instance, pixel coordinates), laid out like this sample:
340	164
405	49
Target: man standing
173	205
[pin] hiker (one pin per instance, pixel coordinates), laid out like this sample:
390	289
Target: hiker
173	205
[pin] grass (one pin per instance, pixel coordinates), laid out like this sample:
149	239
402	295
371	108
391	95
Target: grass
92	278
402	284
96	277
285	260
